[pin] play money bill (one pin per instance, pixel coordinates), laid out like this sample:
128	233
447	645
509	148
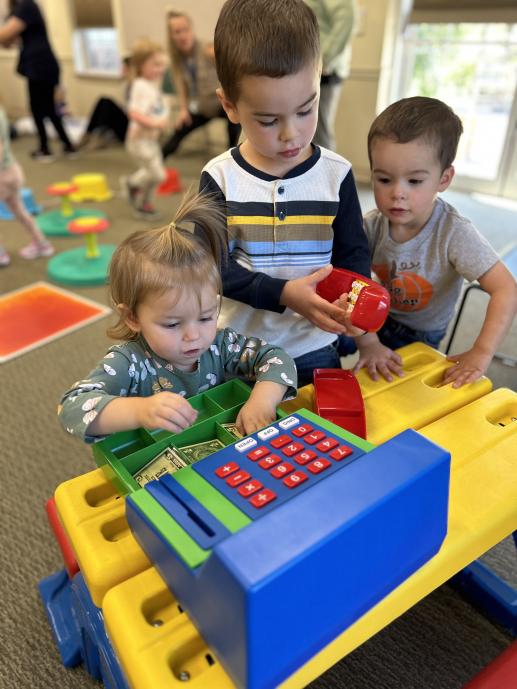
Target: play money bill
167	461
196	452
232	428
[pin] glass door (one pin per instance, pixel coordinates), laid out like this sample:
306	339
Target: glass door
473	68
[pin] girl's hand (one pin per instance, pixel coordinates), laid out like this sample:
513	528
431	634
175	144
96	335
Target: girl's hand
300	296
260	409
166	410
468	367
377	358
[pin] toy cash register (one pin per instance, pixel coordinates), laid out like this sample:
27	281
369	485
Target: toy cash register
278	542
368	303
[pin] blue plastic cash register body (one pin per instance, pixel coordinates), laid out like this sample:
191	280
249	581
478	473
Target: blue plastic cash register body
269	583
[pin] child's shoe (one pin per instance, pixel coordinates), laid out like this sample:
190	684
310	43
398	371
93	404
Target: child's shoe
42	156
147	212
5	259
129	191
70	152
37	250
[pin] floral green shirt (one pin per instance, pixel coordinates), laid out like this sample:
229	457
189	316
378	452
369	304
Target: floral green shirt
132	369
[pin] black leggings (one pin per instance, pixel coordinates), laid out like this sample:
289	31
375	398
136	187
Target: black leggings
177	137
41	99
108	115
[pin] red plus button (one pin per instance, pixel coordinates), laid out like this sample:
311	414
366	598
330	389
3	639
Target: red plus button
258	453
341	452
280	441
238	478
262	498
302	430
295	479
327	444
292	449
313	438
270	461
249	488
305	457
226	469
318	465
281	470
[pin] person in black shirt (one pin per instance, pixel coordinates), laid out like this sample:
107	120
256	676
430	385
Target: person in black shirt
39	66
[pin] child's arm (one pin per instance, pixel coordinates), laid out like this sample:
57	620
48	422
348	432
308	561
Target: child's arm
377	358
103	403
165	410
148	121
499	283
271	367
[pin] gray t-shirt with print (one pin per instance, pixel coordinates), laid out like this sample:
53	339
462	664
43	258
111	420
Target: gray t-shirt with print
425	274
132	369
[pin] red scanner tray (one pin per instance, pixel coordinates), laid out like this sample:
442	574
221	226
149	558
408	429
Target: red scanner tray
338	398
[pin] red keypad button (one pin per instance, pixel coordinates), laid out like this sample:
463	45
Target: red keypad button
302	430
262	498
226	469
318	465
314	437
295	479
259	452
280	441
249	488
270	461
238	478
327	444
281	470
292	449
305	457
341	452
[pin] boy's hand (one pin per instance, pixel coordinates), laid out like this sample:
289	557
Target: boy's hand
300	296
260	409
377	358
166	410
468	367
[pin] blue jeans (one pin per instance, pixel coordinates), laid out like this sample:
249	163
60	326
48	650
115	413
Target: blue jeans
394	335
326	357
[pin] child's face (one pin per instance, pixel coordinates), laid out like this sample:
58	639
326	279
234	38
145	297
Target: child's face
178	330
154	67
406	179
279	118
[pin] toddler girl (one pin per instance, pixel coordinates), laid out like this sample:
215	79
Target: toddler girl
148	115
165	284
11	180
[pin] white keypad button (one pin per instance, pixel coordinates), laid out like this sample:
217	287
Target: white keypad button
245	444
269	432
288	422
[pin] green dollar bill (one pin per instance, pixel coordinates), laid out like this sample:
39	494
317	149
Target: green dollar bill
199	450
168	461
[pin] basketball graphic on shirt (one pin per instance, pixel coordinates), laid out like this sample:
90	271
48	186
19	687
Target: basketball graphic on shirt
408	290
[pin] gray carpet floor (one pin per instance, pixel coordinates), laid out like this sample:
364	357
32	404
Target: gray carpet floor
439	644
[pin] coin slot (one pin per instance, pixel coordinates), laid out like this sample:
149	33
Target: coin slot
115	530
189	661
434	380
503	415
160	609
419	360
101	495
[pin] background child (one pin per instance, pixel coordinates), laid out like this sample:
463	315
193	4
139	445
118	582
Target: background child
11	180
292	207
148	115
421	247
165	285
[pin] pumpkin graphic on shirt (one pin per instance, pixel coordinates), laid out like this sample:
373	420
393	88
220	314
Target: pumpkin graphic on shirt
408	290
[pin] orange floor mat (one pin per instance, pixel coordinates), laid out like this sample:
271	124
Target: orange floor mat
40	313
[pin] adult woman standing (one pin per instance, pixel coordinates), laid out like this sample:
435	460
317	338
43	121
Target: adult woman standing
39	66
195	79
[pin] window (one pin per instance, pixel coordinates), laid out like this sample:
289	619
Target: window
95	39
